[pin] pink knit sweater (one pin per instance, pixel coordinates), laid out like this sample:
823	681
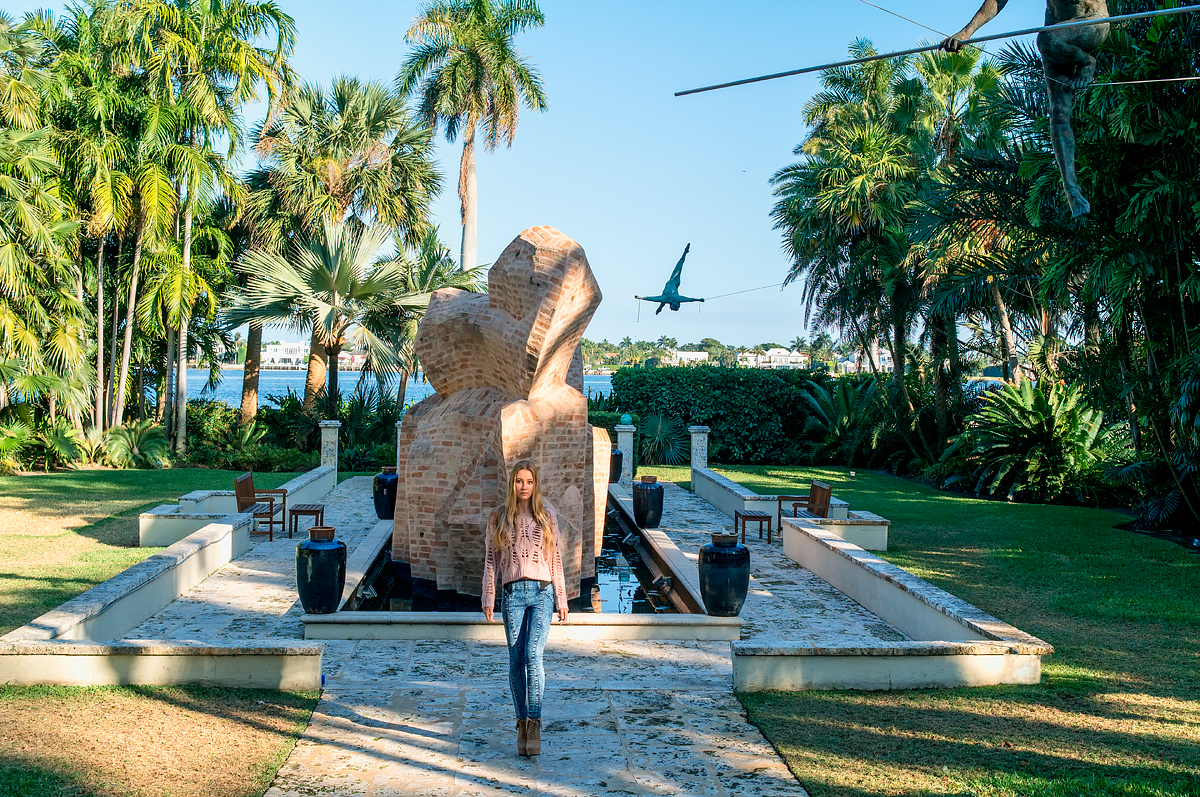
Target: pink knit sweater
525	559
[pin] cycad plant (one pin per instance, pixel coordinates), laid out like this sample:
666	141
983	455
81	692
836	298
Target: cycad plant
845	418
1035	440
140	444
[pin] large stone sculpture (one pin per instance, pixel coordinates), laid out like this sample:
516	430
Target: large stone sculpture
508	377
1069	58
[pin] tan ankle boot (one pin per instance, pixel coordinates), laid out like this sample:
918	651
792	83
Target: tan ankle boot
522	737
533	737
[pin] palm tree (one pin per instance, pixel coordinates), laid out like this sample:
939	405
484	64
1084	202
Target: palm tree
88	137
333	284
427	269
467	73
203	57
352	152
844	210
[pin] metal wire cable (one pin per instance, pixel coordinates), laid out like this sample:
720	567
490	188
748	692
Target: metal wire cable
1056	80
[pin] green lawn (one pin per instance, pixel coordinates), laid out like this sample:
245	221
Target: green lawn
63	533
1118	709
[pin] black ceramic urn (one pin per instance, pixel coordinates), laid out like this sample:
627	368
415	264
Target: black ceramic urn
647	502
320	571
384	491
724	575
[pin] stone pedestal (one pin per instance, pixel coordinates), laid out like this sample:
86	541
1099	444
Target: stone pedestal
329	443
625	443
699	446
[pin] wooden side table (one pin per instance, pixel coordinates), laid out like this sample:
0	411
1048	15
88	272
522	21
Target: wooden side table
315	511
741	516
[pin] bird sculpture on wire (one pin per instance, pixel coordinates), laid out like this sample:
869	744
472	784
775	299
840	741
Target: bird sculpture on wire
670	294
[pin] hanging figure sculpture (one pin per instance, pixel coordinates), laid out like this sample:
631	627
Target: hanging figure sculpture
1070	62
670	294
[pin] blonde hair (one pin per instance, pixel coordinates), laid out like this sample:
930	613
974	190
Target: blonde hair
506	516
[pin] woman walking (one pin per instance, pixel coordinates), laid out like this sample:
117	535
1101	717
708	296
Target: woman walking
521	551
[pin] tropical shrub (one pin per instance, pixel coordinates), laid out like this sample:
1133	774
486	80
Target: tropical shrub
384	454
57	443
211	423
139	444
1032	441
357	458
90	445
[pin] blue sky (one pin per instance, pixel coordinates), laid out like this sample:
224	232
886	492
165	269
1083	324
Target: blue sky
626	169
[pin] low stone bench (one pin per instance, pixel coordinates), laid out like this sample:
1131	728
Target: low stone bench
864	529
265	664
728	496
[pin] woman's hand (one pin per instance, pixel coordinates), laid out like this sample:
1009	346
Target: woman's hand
488	611
562	614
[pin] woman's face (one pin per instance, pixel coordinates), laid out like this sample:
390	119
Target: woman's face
524	485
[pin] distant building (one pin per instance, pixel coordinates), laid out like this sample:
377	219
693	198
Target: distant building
777	359
686	358
860	363
283	356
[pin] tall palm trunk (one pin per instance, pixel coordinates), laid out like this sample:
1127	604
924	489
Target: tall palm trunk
166	401
315	380
403	388
127	343
181	361
98	409
110	387
468	199
937	347
250	373
181	386
331	398
955	358
1010	343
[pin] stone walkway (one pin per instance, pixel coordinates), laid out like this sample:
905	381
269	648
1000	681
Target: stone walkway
620	718
434	717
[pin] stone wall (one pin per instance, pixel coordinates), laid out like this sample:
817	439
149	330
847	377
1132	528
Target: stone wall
507	373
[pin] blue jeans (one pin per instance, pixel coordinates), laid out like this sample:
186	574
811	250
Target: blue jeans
527	608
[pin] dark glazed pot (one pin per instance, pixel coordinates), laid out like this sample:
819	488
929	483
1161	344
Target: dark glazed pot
724	575
320	571
385	493
647	503
614	466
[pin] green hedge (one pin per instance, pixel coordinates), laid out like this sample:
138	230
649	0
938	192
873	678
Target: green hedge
756	416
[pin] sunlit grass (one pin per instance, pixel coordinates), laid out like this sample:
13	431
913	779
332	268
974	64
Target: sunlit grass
63	533
1118	709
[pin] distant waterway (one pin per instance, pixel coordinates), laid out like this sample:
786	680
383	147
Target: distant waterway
277	383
